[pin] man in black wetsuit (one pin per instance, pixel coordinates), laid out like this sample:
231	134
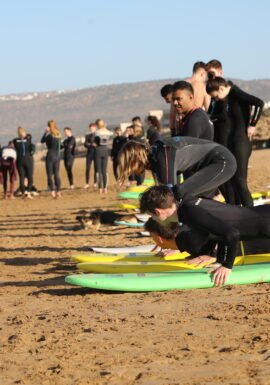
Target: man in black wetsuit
194	121
118	142
69	145
216	222
90	145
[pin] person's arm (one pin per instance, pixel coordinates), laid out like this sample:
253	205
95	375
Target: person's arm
44	138
251	100
199	218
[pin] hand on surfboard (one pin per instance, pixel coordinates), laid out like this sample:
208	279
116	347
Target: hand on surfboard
220	274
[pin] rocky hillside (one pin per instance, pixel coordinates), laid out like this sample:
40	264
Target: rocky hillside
76	108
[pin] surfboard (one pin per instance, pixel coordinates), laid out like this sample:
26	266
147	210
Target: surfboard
129	195
142	217
199	279
145	233
127	206
129	224
138	188
158	267
120	250
131	257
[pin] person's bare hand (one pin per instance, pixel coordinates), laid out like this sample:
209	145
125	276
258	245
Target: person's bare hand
220	275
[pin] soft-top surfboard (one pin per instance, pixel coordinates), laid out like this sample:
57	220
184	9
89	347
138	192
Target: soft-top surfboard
120	250
127	206
198	279
120	267
129	224
131	257
129	195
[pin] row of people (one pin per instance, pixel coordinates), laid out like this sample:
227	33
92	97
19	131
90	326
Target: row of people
233	117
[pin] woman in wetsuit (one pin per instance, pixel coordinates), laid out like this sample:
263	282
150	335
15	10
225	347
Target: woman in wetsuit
52	138
244	111
102	140
213	221
69	145
89	144
211	163
25	162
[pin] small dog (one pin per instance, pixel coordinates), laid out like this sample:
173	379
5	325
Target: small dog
96	218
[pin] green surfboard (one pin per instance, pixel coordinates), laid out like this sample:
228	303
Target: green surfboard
199	279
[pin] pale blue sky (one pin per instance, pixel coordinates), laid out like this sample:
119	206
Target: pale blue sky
52	45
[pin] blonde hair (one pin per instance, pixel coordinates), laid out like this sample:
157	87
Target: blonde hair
54	131
138	131
21	132
100	123
133	159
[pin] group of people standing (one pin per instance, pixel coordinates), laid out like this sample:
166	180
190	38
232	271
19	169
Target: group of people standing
205	107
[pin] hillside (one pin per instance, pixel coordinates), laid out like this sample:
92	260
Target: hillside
76	108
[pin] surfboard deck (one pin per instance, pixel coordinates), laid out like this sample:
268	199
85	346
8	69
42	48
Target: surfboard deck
130	257
123	267
121	250
129	224
198	279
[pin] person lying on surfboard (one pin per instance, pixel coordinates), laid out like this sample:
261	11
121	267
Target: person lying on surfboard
224	224
196	244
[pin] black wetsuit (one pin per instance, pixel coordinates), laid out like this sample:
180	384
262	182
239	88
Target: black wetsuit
239	110
222	129
152	135
69	145
118	143
197	124
223	224
90	156
52	160
212	164
25	162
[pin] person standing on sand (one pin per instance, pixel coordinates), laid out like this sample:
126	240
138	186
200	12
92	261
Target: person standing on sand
118	142
69	145
195	122
8	169
102	140
198	82
25	162
90	145
174	121
244	111
52	138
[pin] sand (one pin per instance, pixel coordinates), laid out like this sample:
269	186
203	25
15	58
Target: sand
52	333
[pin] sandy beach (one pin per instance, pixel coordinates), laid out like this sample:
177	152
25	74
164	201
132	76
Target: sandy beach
52	333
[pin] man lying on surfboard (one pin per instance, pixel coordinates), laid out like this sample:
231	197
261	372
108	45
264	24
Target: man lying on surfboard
224	224
195	244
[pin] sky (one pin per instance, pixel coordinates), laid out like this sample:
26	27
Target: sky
72	44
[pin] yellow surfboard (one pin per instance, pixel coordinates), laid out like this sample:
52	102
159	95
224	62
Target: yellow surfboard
127	206
136	257
157	267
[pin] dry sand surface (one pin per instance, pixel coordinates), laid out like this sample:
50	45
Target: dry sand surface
52	333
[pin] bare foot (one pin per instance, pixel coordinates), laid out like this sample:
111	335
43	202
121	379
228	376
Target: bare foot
53	194
58	194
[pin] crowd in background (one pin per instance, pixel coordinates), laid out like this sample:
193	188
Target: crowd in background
204	106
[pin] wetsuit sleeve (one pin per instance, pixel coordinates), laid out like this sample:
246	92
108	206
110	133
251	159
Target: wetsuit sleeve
252	101
71	143
196	217
44	138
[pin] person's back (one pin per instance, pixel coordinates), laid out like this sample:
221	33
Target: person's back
198	80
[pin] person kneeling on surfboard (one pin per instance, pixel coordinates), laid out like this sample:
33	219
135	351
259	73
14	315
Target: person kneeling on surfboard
218	222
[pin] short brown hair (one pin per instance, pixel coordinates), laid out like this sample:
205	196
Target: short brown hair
156	197
169	231
213	64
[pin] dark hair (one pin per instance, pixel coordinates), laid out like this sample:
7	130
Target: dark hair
156	197
166	90
214	83
135	118
183	85
154	121
169	231
198	65
68	129
91	125
213	64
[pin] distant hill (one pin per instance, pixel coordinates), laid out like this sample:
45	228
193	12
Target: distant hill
77	108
